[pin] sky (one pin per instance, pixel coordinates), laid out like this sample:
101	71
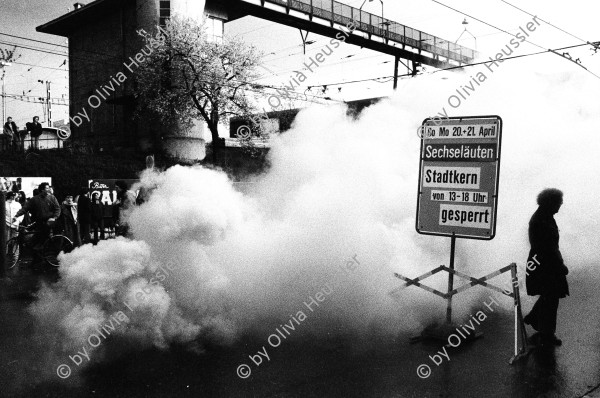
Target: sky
431	18
282	46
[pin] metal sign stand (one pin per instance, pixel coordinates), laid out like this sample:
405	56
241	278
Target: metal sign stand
451	279
520	340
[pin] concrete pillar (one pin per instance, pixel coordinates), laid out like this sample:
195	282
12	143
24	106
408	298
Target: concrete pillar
190	8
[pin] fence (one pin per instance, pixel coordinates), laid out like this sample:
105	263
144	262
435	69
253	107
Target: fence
47	140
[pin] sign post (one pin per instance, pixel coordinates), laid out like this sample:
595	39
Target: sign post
458	181
458	197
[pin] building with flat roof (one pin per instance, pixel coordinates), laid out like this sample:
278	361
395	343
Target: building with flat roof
103	41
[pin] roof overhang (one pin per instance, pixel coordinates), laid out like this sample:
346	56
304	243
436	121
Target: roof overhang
64	25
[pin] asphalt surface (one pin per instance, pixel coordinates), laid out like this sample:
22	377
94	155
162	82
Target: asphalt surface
314	367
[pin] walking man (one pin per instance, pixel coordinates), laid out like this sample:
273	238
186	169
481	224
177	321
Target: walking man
547	275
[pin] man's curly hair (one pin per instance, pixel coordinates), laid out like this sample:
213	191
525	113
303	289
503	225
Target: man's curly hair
549	197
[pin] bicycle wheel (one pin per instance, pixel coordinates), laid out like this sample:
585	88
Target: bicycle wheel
12	253
54	246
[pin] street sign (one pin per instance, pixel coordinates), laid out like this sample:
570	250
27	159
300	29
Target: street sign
458	177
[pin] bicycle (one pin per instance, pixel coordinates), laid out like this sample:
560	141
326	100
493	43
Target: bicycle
52	247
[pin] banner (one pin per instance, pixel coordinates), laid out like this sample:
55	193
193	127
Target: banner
25	184
107	189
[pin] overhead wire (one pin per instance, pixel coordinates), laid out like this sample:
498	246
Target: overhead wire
50	52
456	66
528	41
34	40
548	23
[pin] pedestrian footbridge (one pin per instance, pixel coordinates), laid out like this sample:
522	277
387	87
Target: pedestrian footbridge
326	17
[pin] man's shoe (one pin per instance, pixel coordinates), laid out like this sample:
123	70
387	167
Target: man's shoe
555	341
535	339
549	341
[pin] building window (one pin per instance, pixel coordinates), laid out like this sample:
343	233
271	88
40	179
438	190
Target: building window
215	28
164	12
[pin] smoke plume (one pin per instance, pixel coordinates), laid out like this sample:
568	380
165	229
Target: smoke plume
334	215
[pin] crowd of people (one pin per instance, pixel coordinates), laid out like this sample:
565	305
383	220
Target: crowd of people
13	138
77	217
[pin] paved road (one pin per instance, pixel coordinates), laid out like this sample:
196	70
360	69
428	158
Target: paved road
309	367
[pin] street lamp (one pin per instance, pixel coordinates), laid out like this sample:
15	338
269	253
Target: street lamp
370	1
465	23
382	18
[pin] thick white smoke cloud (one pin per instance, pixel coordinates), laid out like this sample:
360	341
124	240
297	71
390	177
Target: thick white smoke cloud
338	188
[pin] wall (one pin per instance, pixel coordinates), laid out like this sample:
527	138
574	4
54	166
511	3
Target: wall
96	52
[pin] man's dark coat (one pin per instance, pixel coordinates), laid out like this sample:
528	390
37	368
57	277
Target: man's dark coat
548	278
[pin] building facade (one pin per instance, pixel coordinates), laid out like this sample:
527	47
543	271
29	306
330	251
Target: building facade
103	43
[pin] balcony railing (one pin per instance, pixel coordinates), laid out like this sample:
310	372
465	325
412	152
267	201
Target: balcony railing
45	141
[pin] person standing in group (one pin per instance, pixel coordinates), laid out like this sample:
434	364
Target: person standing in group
11	133
12	208
22	198
17	185
44	210
126	200
84	212
5	184
547	275
97	217
35	130
69	220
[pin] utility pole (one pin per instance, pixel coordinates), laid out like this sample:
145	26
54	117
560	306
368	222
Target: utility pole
49	104
47	101
3	65
6	57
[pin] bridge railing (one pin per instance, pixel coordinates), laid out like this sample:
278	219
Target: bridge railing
343	14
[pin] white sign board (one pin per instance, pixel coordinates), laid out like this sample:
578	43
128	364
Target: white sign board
458	177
